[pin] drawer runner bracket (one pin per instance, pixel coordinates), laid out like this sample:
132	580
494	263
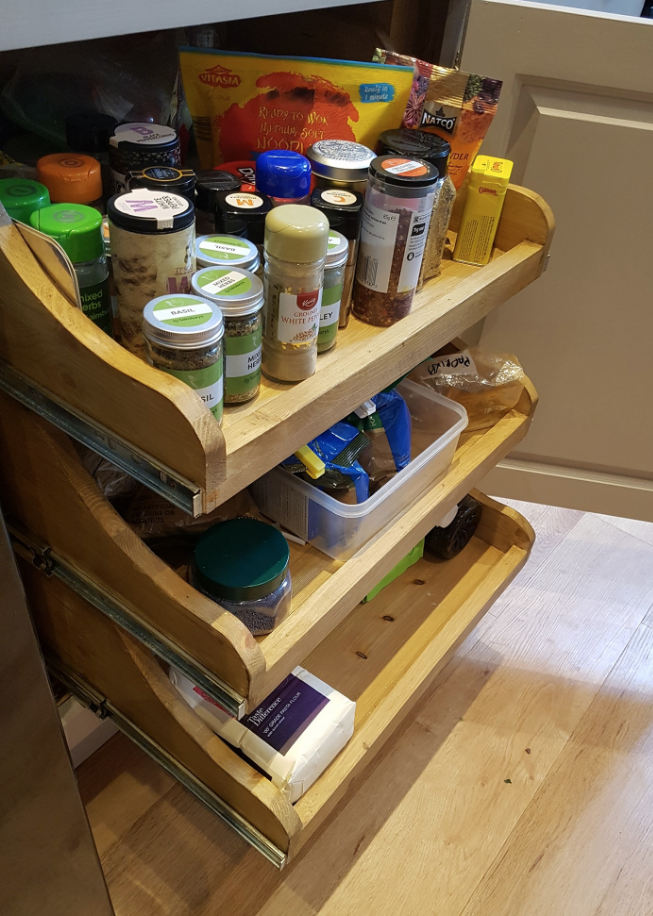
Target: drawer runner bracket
45	559
162	480
103	708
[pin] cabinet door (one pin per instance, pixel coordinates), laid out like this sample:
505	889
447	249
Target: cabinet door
576	117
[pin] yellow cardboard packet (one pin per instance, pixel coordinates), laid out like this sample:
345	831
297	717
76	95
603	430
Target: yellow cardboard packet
488	182
245	104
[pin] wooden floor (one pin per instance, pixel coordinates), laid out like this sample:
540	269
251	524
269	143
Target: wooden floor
523	786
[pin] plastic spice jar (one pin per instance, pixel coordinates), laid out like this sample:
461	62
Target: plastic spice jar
226	251
296	241
239	296
343	209
243	565
152	252
165	178
71	178
396	216
78	229
340	164
242	213
334	281
207	185
139	145
21	197
285	176
184	338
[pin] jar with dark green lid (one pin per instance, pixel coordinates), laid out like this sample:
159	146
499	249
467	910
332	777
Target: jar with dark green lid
21	197
78	229
243	565
334	281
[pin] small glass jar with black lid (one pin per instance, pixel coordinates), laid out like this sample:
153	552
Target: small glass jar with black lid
139	145
165	178
207	186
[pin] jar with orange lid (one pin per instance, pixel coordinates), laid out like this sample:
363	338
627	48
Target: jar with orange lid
72	178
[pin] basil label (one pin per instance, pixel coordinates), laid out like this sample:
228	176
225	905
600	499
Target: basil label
180	311
207	382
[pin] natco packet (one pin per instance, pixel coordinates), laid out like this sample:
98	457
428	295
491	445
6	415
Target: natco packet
244	104
455	105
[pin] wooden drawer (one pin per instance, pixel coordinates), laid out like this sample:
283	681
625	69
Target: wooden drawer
56	509
59	363
383	655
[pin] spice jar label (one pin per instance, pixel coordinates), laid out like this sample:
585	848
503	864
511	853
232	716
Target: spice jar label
143	134
414	251
228	249
299	316
231	283
244	201
410	167
242	363
330	311
207	383
182	313
377	245
156	205
343	198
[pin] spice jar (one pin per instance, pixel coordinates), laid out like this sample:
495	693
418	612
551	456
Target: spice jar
340	164
78	229
334	281
165	178
396	216
71	178
207	185
242	213
184	335
226	251
139	145
243	565
296	240
153	253
239	296
284	176
343	209
90	133
418	144
21	197
244	170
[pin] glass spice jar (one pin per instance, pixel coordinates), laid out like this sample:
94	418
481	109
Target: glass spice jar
183	336
239	296
165	178
334	281
139	145
396	216
340	164
296	240
227	251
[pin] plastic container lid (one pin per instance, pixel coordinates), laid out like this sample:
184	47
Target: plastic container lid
164	178
22	196
182	321
70	178
404	172
207	185
146	211
137	135
342	160
241	559
242	213
242	169
283	174
235	291
226	251
416	144
342	208
90	132
77	228
296	233
337	250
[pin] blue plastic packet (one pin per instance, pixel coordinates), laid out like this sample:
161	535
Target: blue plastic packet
389	431
339	446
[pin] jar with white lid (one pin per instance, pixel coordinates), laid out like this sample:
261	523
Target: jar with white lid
239	296
334	281
183	335
227	251
152	251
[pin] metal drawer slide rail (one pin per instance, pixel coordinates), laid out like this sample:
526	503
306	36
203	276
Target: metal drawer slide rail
162	480
103	708
45	559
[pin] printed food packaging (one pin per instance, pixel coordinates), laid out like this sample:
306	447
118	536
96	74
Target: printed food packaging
245	104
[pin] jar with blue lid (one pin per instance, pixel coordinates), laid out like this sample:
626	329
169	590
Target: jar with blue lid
239	296
183	336
284	176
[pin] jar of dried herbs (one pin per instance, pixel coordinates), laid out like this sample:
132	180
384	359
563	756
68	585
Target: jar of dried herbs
183	335
396	216
239	296
334	281
296	239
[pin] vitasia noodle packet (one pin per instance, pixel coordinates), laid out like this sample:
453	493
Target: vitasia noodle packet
245	104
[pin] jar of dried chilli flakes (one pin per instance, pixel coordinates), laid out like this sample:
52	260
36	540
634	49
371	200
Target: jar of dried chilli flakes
396	215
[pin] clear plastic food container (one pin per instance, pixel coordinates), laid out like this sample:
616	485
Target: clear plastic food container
339	529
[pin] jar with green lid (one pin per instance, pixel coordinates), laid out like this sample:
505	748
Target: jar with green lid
243	565
21	197
334	281
239	296
78	229
183	336
227	251
296	239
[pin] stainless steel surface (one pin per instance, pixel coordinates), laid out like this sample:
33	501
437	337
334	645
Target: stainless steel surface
48	863
43	557
128	457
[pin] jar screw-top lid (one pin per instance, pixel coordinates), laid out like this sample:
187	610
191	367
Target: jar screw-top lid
341	160
337	250
182	321
297	234
234	290
77	228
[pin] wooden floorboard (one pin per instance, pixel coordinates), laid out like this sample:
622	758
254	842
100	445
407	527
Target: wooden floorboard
553	692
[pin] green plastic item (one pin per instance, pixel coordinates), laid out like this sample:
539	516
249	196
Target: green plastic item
77	228
416	554
21	197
